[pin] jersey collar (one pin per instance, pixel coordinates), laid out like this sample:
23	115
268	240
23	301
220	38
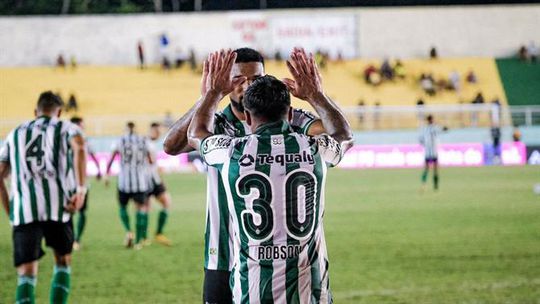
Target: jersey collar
278	127
238	125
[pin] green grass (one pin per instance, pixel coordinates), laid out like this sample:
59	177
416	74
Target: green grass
475	241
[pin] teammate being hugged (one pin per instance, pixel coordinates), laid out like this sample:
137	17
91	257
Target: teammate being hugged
47	160
218	250
81	224
157	186
429	139
273	181
135	158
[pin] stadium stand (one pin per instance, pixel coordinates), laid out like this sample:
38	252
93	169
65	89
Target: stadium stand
520	80
111	94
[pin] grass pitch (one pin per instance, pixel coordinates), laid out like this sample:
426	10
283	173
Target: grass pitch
477	240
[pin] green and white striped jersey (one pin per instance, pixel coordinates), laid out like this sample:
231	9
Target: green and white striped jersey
134	166
429	139
42	174
218	233
274	183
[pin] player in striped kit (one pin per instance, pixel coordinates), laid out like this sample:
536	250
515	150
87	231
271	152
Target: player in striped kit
135	158
273	181
157	186
429	140
81	224
231	121
47	160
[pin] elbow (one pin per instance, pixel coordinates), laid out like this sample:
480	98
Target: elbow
169	148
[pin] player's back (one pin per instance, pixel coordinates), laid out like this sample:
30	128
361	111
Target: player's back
134	166
42	176
275	183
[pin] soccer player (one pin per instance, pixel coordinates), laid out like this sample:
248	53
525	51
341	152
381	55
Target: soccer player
47	160
134	153
248	66
157	187
429	140
273	181
82	212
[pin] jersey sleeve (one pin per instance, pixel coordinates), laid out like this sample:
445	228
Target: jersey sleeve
4	150
329	149
217	149
302	120
73	130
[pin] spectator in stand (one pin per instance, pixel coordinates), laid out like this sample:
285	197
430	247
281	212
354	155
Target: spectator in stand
72	103
278	57
60	61
168	120
339	58
179	58
433	53
140	54
371	75
478	100
361	112
532	50
427	83
420	110
471	77
164	49
522	53
386	70
73	62
192	60
399	69
516	134
454	82
377	115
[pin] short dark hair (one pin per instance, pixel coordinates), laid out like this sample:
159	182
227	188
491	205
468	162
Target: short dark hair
248	55
48	101
155	124
267	98
130	125
76	120
429	118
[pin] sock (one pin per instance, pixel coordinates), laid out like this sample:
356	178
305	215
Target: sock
162	219
436	181
139	232
60	284
125	218
25	289
424	176
80	226
145	225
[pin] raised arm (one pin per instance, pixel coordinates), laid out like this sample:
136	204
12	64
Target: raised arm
307	85
219	84
176	140
78	146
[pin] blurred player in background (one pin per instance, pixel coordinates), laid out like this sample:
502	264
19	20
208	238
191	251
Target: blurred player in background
429	140
47	160
219	255
81	224
268	177
157	187
135	158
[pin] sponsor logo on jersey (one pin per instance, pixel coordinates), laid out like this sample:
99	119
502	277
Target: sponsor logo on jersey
278	252
282	159
215	143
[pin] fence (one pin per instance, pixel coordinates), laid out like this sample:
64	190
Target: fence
361	118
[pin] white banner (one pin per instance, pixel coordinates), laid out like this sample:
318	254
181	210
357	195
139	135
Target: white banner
333	34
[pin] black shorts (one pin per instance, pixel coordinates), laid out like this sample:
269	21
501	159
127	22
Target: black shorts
216	289
27	240
431	160
83	209
157	190
138	197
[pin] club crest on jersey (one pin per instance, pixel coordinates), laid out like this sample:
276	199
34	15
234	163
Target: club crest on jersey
246	160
